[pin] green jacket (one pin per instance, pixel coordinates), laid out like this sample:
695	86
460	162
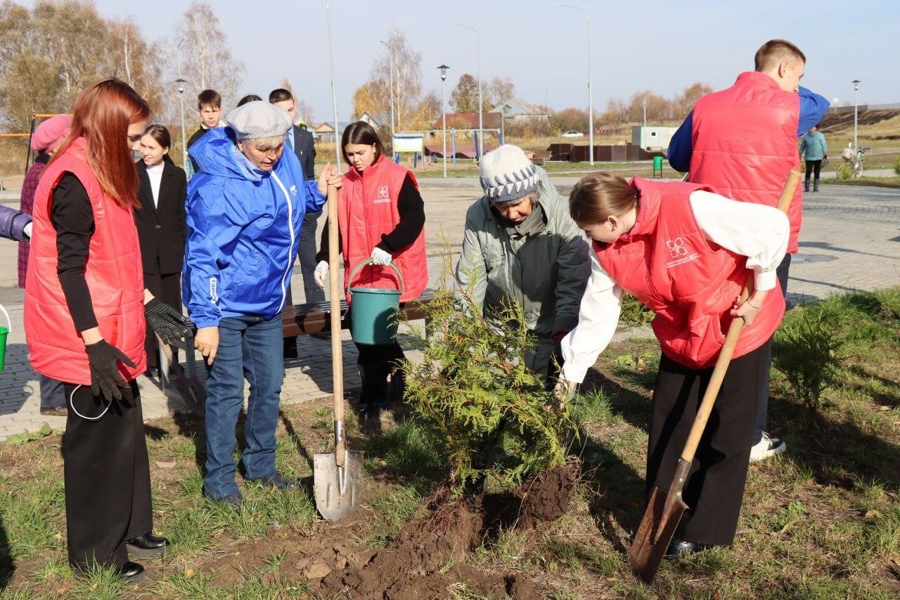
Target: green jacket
813	145
546	270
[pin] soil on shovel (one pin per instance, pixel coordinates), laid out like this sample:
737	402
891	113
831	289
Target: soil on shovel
415	564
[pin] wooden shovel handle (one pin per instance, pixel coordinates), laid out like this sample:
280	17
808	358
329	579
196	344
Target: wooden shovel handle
731	339
337	360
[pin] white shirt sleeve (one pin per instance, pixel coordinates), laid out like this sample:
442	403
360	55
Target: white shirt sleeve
598	317
753	230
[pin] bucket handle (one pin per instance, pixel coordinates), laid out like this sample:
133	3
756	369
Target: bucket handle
369	261
9	321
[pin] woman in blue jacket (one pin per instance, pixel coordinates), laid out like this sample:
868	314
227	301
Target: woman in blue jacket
244	212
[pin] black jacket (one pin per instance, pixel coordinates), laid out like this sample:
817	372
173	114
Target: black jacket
162	230
306	152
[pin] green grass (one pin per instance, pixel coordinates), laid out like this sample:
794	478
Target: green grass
819	522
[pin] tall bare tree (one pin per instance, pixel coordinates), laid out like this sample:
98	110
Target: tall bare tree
413	108
202	55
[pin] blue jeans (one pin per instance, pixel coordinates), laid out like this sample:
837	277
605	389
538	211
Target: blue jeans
252	347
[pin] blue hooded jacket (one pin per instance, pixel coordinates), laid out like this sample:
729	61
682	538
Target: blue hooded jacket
243	231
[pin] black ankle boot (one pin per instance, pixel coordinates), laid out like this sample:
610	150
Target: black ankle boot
147	545
806	185
816	185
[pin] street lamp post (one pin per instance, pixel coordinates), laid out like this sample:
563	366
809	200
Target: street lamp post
478	74
645	111
855	113
443	69
180	81
590	91
391	60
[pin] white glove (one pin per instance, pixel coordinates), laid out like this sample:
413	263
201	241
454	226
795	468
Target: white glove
380	257
27	231
321	274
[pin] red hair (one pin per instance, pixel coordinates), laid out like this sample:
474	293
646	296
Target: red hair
102	115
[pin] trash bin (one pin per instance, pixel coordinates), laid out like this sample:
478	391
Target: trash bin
657	165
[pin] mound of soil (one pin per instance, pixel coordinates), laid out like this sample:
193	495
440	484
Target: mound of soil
415	564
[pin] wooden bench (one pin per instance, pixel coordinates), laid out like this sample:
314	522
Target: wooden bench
315	317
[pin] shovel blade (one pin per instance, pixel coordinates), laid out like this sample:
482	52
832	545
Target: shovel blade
654	534
337	489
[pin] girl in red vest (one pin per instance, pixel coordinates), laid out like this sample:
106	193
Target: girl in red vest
85	312
381	216
686	254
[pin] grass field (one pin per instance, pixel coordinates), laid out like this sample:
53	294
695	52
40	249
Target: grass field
819	522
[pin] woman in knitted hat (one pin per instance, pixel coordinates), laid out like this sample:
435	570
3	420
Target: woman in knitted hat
46	139
381	216
245	208
520	244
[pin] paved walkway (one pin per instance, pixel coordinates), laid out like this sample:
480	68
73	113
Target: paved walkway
850	240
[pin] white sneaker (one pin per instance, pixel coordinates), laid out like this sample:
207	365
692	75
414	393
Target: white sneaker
767	446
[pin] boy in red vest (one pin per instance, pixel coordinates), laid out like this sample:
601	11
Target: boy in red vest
742	141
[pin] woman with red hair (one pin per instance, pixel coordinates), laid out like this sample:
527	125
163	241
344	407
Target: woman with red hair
85	311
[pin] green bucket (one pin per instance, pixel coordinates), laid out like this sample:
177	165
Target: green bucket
4	333
374	310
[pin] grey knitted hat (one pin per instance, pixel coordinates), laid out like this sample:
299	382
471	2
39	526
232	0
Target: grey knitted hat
507	174
258	119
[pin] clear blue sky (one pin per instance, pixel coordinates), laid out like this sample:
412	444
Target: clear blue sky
657	45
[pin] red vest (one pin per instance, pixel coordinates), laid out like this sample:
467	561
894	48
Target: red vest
114	277
745	143
367	208
688	281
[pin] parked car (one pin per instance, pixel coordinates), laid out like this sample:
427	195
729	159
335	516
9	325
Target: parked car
573	134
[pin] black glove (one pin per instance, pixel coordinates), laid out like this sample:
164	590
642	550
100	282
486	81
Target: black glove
105	376
168	323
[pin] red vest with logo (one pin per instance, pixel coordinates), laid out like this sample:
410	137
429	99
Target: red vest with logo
745	143
689	282
113	273
367	208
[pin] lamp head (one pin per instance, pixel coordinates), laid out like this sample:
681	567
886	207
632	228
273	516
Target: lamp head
443	69
181	83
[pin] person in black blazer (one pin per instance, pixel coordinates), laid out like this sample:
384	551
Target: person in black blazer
301	141
161	224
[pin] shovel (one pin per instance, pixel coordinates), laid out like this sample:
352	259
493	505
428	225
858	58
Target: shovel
337	476
665	509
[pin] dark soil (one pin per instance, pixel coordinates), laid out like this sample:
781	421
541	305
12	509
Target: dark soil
415	565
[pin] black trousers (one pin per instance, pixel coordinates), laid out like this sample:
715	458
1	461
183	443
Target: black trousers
715	488
813	166
167	289
375	363
107	476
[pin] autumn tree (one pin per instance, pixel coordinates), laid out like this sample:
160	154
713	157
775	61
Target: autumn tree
52	52
570	119
202	55
500	89
464	97
413	108
684	102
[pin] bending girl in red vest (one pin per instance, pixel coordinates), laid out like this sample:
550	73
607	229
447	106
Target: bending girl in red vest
381	216
685	253
85	311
